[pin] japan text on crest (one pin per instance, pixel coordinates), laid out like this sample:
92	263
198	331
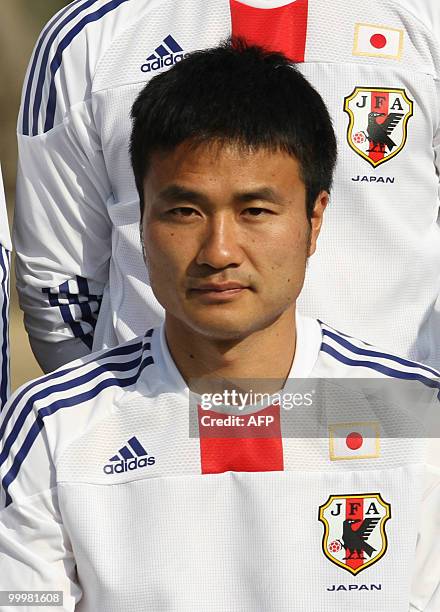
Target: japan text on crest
377	129
354	530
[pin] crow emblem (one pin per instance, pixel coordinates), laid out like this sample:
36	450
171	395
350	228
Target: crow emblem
355	542
378	134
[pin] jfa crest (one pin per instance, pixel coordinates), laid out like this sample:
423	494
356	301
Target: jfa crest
377	129
354	530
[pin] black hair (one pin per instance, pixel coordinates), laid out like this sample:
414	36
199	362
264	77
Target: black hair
235	93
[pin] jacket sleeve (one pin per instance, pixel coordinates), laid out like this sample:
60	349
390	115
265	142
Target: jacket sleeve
62	233
425	590
35	550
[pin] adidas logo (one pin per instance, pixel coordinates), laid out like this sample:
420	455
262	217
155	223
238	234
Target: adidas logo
130	457
166	54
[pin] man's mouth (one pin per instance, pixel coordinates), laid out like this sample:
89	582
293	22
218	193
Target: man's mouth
219	287
218	291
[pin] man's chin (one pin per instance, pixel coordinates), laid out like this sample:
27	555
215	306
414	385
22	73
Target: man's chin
221	329
223	324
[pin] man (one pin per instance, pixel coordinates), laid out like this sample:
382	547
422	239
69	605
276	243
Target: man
5	263
78	251
105	495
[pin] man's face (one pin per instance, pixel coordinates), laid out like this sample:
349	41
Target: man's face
226	236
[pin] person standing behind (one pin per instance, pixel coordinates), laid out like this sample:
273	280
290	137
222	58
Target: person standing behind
5	264
376	64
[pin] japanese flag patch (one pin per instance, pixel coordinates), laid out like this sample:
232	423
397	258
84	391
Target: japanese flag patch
357	440
378	41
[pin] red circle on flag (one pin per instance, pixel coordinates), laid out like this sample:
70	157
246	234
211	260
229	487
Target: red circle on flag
354	440
378	41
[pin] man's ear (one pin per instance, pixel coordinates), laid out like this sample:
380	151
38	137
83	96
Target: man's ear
316	220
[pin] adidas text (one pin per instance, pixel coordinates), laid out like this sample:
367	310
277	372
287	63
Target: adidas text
122	466
159	63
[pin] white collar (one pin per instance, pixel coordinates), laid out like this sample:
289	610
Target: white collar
308	344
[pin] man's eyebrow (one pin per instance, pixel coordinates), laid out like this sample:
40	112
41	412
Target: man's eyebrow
260	193
177	193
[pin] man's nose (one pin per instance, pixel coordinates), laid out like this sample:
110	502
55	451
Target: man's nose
220	247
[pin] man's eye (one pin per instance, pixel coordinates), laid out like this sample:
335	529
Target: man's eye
256	212
183	211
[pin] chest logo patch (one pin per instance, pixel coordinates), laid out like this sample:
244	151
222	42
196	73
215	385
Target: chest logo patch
378	118
354	530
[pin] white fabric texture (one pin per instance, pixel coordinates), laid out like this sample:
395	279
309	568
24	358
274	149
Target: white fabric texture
169	536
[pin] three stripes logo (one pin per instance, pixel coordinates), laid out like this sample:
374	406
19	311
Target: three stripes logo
130	457
165	55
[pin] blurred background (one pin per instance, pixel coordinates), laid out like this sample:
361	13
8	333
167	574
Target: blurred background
20	25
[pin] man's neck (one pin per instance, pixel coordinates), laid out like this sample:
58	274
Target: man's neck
264	354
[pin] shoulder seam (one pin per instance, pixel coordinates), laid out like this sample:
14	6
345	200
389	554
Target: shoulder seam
371	351
58	41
